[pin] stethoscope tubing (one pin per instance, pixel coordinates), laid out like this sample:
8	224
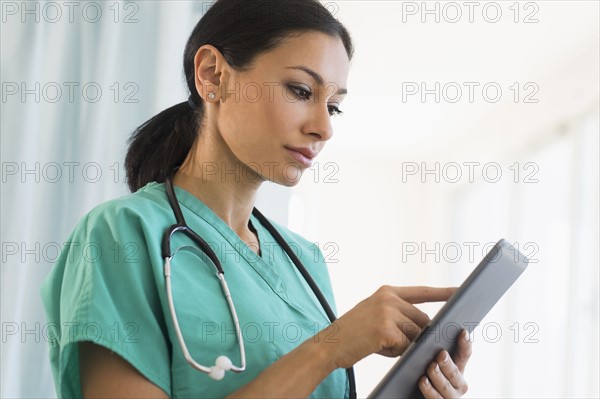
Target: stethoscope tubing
166	251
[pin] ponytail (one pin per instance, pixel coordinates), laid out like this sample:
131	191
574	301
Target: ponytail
161	144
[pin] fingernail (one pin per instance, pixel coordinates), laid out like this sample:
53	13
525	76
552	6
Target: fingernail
444	357
466	335
437	368
426	381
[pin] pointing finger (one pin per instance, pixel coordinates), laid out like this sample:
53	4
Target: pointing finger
425	294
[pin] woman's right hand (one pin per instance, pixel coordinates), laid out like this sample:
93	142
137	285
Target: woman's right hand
384	323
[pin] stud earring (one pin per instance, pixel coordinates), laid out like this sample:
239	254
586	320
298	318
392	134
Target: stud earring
211	96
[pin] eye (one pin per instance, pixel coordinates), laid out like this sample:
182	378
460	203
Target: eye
301	93
333	110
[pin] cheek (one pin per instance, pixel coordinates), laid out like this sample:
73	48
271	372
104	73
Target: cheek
284	112
238	123
249	125
274	116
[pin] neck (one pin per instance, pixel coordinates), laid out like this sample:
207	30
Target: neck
221	182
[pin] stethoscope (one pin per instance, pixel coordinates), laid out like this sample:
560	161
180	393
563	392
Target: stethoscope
223	363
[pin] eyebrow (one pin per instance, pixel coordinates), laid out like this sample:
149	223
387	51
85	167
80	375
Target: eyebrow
318	78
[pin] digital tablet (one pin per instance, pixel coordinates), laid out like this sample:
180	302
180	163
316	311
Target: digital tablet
464	310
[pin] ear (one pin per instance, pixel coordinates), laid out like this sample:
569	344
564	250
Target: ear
211	72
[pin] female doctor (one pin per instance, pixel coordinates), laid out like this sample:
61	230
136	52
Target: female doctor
265	78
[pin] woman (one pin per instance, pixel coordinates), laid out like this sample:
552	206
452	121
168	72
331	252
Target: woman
265	79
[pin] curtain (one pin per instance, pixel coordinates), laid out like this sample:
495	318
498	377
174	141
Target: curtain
77	78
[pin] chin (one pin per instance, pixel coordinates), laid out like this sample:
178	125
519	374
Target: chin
286	181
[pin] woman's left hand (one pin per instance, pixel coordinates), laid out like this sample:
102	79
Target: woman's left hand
444	377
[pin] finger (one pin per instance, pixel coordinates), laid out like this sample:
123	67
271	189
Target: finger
401	310
440	382
415	314
427	389
451	373
425	294
408	327
399	336
463	353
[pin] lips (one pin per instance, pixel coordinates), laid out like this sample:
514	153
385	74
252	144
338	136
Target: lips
303	156
307	152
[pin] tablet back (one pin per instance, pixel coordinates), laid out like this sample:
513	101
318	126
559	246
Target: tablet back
464	310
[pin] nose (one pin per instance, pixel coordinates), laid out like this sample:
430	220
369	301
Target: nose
320	122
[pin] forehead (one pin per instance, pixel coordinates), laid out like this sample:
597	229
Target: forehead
318	51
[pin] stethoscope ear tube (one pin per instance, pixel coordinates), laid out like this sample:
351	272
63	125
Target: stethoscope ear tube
222	363
184	349
166	244
182	226
166	241
238	328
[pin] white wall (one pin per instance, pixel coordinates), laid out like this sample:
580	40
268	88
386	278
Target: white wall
373	213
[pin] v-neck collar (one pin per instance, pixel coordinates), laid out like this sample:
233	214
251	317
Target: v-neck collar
263	265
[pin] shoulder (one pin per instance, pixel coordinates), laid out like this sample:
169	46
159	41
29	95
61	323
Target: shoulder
145	204
296	241
136	215
119	230
290	236
307	251
311	257
287	233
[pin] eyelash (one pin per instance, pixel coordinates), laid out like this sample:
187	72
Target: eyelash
307	95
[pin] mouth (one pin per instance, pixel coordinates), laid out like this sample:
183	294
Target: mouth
304	155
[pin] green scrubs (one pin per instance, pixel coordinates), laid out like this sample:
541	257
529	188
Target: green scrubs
108	287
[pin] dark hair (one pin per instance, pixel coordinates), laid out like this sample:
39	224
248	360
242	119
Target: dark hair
240	30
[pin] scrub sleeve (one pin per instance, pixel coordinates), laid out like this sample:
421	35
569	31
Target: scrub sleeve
102	290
